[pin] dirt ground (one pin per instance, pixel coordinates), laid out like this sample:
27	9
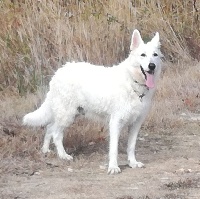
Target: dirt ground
171	157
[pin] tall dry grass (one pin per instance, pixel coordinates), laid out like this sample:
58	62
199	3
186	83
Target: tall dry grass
37	37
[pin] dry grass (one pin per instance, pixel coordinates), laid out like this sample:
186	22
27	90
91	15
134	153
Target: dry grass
36	37
178	92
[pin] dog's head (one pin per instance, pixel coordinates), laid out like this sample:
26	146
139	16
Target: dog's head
146	57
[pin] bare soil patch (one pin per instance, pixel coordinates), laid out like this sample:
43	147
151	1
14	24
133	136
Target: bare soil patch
172	169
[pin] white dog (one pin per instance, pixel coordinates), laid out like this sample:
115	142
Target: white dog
120	94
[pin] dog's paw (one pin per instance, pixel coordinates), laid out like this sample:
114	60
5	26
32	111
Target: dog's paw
45	150
114	170
66	157
136	165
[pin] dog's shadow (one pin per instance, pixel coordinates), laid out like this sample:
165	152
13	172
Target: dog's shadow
124	167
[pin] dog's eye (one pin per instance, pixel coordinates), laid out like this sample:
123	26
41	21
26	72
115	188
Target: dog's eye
143	55
155	54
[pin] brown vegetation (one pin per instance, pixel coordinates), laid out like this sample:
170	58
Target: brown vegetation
36	37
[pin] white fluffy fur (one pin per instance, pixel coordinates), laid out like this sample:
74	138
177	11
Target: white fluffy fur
112	94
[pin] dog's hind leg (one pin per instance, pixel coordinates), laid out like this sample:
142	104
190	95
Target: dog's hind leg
58	141
61	121
133	133
47	139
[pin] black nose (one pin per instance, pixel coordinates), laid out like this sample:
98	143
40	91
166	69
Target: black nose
152	66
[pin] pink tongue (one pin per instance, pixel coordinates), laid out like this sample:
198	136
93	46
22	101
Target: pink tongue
150	80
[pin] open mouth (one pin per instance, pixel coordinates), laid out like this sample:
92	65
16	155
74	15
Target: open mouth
151	72
145	76
149	77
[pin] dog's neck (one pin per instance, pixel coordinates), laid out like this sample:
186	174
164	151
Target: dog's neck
136	77
142	89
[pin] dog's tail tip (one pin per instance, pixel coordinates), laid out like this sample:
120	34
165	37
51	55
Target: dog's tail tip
33	119
40	117
30	120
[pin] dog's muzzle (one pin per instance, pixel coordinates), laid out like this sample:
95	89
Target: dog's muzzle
151	67
149	75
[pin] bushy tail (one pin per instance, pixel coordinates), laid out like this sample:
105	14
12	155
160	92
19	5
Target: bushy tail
40	117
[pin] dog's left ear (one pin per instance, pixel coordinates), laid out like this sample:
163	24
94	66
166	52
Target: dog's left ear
156	40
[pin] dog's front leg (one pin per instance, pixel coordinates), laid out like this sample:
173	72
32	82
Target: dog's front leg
133	133
115	127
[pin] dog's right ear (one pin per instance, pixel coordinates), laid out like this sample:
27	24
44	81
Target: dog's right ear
156	40
136	40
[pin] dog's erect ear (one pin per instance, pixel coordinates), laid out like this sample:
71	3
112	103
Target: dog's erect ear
156	40
136	40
